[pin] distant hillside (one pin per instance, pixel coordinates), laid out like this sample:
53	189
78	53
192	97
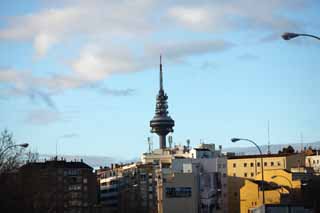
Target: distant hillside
274	148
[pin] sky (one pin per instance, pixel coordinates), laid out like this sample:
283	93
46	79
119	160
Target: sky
84	74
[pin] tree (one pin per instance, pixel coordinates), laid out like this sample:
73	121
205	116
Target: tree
11	158
10	155
288	150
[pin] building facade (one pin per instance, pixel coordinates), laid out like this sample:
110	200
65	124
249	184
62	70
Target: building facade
245	167
313	161
128	188
58	186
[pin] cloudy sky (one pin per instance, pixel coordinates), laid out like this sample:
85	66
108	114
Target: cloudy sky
85	73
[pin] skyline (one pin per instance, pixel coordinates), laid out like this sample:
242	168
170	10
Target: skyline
82	72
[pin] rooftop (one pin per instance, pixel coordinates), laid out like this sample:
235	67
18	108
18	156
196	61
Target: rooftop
58	164
264	156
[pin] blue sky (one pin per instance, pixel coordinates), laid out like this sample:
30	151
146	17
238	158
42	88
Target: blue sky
85	73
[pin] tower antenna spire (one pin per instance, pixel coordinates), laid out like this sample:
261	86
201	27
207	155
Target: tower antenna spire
161	81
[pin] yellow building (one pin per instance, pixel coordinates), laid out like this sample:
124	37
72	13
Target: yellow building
278	186
248	166
245	167
251	194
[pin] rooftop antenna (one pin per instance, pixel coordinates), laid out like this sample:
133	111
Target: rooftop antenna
301	141
170	141
150	144
188	143
269	152
161	81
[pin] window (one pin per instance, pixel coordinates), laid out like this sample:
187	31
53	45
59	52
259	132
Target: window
258	164
251	164
234	174
245	174
178	192
317	161
314	161
272	164
245	164
224	175
265	164
234	165
235	194
279	163
143	177
252	174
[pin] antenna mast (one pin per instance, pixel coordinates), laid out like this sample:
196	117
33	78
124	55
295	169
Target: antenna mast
269	152
301	141
150	144
161	81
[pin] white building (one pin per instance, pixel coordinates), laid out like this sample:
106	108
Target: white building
194	179
313	161
212	175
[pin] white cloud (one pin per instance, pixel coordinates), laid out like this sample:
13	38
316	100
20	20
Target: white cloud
92	19
215	16
181	49
123	36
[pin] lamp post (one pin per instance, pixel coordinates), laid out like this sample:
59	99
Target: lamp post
23	145
288	36
234	140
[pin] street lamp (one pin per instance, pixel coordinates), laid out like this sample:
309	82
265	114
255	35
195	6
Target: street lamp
23	145
234	140
288	36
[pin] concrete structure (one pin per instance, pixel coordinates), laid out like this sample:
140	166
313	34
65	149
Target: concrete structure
249	167
280	208
280	188
191	184
212	175
162	123
128	188
205	151
58	186
251	194
313	161
177	192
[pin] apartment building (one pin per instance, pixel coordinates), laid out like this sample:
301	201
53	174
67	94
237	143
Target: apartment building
313	161
58	186
194	181
248	166
241	168
127	188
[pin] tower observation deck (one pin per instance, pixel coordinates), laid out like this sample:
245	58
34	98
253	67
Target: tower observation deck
161	123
